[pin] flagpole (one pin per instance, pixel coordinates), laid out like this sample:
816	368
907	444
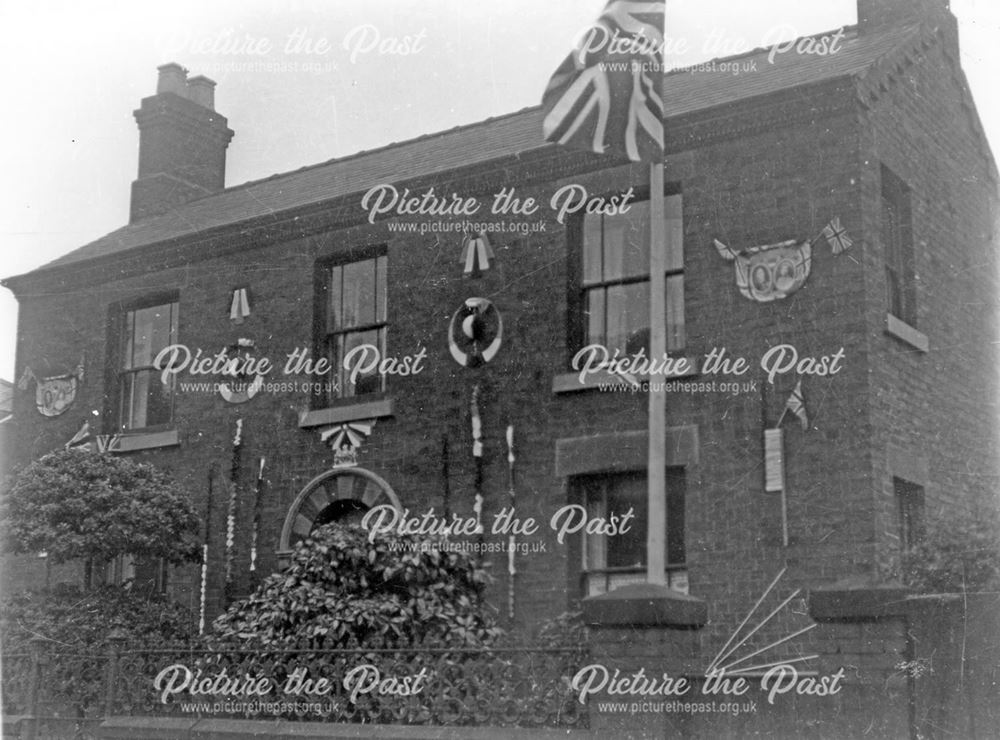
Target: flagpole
656	471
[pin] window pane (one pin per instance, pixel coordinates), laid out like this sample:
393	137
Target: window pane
359	293
595	316
628	318
382	289
595	552
591	249
676	493
675	312
146	400
152	332
675	235
628	549
369	382
129	331
626	243
334	316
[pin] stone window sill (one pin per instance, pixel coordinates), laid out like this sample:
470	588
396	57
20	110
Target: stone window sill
135	441
645	604
354	411
902	331
571	383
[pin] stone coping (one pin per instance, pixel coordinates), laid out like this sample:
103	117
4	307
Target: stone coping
645	604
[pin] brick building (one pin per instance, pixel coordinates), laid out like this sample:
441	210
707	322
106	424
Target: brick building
879	135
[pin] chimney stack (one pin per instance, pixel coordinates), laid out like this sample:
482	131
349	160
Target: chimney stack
182	144
879	14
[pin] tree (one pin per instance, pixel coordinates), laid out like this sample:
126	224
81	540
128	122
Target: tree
345	589
74	504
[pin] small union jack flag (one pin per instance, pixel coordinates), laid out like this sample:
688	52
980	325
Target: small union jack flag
797	405
836	236
606	96
108	442
81	439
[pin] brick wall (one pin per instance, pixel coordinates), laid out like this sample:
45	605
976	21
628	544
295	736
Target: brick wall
768	171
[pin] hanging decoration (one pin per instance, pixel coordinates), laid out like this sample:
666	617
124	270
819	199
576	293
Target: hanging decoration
797	405
54	394
257	500
234	471
108	442
774	453
239	309
445	478
204	550
476	254
346	439
86	441
774	461
477	454
836	236
775	271
511	541
475	333
242	389
770	272
80	440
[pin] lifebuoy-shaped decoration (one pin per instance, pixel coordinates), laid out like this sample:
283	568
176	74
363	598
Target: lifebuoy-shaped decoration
475	333
243	389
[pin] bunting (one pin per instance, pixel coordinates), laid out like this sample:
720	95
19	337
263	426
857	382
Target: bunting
256	515
511	541
477	454
234	472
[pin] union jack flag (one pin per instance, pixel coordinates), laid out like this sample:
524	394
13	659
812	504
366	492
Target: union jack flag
108	442
796	403
606	95
836	236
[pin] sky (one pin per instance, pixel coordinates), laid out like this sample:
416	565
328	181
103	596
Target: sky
304	81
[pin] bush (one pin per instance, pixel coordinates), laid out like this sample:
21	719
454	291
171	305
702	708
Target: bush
950	558
565	631
70	617
344	591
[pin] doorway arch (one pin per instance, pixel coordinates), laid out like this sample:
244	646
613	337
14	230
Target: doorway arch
334	495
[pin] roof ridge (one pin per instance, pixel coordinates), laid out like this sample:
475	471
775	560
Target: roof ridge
367	152
762	49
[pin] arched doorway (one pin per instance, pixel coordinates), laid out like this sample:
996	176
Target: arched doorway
340	494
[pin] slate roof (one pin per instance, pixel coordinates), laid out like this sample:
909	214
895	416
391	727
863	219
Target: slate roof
685	92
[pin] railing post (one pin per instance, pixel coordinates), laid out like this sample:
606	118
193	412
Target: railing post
116	638
37	650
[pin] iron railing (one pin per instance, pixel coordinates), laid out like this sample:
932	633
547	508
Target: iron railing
499	687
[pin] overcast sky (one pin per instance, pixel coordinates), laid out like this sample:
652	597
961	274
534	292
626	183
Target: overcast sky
75	71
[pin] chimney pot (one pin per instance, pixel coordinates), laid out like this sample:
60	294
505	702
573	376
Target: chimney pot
182	144
173	79
201	90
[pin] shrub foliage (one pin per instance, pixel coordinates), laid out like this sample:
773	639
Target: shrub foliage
951	558
69	617
344	590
